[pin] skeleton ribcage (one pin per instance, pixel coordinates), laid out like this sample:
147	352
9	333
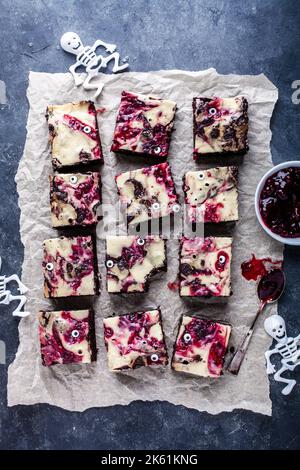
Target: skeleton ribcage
2	284
288	349
87	56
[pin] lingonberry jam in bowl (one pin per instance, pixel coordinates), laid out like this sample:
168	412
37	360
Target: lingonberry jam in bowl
277	202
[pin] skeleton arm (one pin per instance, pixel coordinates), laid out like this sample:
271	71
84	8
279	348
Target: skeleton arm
77	79
21	287
108	47
268	354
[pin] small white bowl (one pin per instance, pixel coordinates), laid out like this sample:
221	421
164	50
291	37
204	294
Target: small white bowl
286	240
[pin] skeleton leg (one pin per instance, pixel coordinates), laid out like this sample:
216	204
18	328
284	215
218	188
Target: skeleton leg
15	278
17	312
96	86
116	57
4	297
290	383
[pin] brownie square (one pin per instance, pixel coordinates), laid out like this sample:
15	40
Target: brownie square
220	126
211	195
144	125
147	193
73	134
200	347
74	199
67	337
69	267
135	340
205	267
132	261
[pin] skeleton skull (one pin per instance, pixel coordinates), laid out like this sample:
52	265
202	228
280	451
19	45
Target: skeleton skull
275	327
71	42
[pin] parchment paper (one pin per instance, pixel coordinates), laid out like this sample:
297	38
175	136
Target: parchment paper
78	387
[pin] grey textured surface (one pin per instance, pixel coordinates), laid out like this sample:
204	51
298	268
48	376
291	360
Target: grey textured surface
246	37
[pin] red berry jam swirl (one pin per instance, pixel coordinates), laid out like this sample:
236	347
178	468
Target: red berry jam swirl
84	197
164	184
279	202
194	277
92	133
54	345
132	256
212	111
70	269
202	334
206	209
133	127
150	350
226	125
212	212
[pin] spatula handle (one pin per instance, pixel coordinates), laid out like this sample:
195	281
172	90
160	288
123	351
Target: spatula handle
238	357
236	361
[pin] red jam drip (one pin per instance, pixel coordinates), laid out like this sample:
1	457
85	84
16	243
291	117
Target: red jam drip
271	285
173	285
80	126
256	268
279	202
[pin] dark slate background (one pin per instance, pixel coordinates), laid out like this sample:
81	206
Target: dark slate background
240	36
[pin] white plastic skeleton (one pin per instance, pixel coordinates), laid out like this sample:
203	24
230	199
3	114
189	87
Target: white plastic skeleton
6	297
287	347
87	57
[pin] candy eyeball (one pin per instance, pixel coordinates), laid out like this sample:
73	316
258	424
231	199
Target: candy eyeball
155	206
200	176
75	333
176	208
73	179
157	150
147	133
49	266
87	129
212	111
154	357
109	263
222	259
140	241
187	337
